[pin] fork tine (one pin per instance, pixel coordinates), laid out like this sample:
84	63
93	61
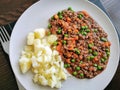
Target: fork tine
2	39
8	36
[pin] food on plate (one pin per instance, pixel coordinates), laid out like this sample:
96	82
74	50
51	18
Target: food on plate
82	42
44	61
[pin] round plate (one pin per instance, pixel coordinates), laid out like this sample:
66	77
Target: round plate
37	16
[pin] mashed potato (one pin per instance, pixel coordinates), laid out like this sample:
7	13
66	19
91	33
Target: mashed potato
45	63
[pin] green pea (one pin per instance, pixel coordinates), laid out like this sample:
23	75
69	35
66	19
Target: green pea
103	39
65	65
81	74
55	43
80	16
95	53
64	42
78	68
60	16
86	27
72	60
68	65
102	60
65	35
60	13
83	27
52	17
84	33
59	31
99	67
90	45
81	62
49	26
88	58
107	50
95	65
105	57
95	30
90	50
74	73
48	33
70	8
77	51
87	30
108	53
91	57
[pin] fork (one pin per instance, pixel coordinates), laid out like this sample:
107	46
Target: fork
5	39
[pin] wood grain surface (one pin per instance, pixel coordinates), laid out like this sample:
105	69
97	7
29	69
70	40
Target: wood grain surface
10	10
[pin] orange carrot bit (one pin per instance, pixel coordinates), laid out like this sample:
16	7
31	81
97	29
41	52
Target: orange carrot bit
107	44
83	24
71	47
76	30
76	38
80	57
85	13
90	41
75	55
58	48
69	30
56	16
81	47
91	69
96	59
68	61
69	54
83	65
68	19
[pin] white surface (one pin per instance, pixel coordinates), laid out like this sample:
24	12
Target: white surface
37	16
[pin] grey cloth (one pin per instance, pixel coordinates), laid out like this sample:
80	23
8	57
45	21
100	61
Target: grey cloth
112	7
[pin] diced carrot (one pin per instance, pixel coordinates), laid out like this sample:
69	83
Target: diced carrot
56	16
81	47
65	38
107	44
80	57
58	48
70	47
76	38
83	24
85	12
69	30
96	59
68	19
90	41
75	56
91	69
83	65
68	61
69	54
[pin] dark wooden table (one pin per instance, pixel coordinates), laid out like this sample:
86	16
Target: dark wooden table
8	82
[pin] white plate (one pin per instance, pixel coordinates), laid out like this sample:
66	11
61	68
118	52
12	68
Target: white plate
37	16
